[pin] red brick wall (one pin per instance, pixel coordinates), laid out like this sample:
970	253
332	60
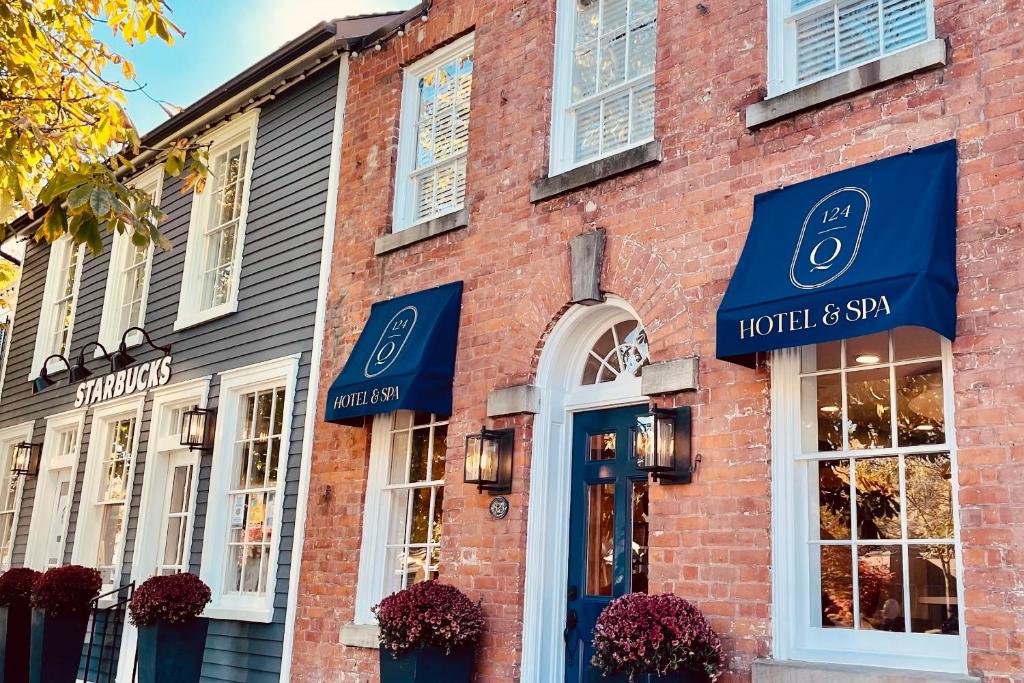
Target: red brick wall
674	234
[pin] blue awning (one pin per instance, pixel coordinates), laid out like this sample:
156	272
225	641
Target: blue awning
405	358
859	251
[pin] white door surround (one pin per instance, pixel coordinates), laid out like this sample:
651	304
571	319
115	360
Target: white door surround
559	372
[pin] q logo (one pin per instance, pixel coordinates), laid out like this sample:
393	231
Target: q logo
830	238
392	340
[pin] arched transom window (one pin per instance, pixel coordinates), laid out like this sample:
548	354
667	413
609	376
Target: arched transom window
620	352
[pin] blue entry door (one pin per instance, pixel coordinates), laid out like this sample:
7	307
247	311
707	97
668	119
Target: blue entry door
608	530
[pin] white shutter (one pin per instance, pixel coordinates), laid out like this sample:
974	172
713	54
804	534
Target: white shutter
858	32
905	22
815	45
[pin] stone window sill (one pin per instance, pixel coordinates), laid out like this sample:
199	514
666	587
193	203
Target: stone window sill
927	55
421	231
596	171
774	671
361	635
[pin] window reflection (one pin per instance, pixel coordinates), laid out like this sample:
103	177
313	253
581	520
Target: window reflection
600	538
834	499
933	570
880	587
640	540
878	498
836	572
868	409
919	409
602	446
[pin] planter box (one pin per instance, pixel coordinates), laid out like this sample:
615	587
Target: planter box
172	653
15	641
57	642
427	665
677	677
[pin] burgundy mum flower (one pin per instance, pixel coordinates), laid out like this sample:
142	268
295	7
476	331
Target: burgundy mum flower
174	599
655	634
16	586
66	590
428	614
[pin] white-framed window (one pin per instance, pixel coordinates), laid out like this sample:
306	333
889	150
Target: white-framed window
124	304
603	97
10	489
867	545
433	141
402	522
55	487
809	40
60	298
250	463
107	487
213	255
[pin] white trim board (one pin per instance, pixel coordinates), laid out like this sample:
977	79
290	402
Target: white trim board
9	437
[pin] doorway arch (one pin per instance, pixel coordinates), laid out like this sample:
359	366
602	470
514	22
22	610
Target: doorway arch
563	391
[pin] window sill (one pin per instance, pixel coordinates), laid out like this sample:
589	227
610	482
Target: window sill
918	58
258	615
361	635
596	171
184	322
421	231
775	671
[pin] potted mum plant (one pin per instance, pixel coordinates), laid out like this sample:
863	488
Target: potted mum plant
61	600
16	623
172	635
428	634
656	638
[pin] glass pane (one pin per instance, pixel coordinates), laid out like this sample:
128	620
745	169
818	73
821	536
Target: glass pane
615	122
600	538
867	350
587	20
820	357
915	342
111	521
929	496
880	584
258	464
878	498
833	500
419	455
179	484
264	404
420	418
420	516
868	409
920	415
602	446
584	73
244	458
415	566
174	530
403	419
822	414
393	570
437	524
641	48
640	541
438	455
836	567
590	371
588	130
251	571
273	460
399	458
933	595
398	517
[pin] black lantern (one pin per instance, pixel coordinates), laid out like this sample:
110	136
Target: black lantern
78	371
44	380
489	460
122	359
197	428
661	445
26	459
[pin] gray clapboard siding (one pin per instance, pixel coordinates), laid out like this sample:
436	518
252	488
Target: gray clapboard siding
278	290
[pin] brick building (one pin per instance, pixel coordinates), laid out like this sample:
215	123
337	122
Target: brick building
481	144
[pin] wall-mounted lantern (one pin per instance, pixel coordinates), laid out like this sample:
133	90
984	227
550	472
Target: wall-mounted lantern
44	380
489	460
25	462
122	359
197	425
78	372
119	360
661	445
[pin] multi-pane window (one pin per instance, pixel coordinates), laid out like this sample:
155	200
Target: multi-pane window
875	447
824	37
8	505
112	494
177	509
434	135
415	493
254	485
621	351
605	81
57	317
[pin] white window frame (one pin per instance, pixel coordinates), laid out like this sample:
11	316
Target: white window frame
234	384
241	129
45	493
151	182
405	188
793	635
59	251
376	515
9	437
561	154
782	77
87	527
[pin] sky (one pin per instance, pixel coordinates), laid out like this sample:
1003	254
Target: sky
223	38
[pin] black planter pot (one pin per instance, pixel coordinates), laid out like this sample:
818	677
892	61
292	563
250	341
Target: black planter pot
15	641
57	642
678	677
427	665
172	653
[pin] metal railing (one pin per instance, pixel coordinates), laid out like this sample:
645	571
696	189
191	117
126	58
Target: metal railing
106	627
